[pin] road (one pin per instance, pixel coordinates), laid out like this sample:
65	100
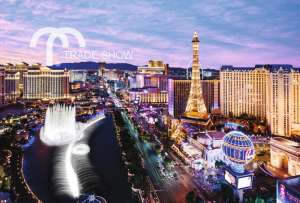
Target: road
150	163
169	189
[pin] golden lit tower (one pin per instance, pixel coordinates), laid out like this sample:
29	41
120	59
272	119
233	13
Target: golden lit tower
195	108
195	111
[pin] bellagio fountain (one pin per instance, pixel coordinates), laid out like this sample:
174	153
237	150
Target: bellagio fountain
61	129
60	126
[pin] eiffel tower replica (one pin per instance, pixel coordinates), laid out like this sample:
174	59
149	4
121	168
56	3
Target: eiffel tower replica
195	112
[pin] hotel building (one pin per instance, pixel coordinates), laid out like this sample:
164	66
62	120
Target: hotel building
150	95
112	74
78	75
285	157
21	68
178	93
155	74
201	150
45	83
265	91
154	67
12	86
211	94
295	94
243	90
151	84
159	81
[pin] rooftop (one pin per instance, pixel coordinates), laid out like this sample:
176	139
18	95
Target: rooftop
286	68
285	142
216	135
190	150
146	90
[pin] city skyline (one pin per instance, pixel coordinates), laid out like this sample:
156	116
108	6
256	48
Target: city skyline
230	33
149	101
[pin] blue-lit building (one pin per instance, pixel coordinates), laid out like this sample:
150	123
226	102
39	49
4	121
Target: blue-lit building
238	150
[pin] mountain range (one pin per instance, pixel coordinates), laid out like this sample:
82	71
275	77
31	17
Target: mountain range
89	65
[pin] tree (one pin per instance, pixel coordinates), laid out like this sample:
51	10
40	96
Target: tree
259	200
189	198
219	164
244	116
192	197
198	200
227	193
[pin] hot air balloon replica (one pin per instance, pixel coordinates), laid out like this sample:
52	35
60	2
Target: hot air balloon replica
238	150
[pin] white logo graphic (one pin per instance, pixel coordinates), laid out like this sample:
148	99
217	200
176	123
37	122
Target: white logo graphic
53	34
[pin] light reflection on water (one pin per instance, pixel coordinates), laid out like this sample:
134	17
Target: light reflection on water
105	158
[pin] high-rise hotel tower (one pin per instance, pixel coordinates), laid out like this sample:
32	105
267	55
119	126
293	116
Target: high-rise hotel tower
46	83
269	92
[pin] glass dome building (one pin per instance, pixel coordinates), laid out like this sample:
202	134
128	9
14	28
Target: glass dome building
238	150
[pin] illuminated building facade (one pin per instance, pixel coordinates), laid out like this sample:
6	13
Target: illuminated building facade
154	67
12	87
140	83
152	83
153	75
19	67
211	94
132	82
179	90
178	93
285	155
205	74
159	81
209	143
149	95
243	90
295	94
112	74
279	115
78	75
209	74
265	91
102	66
202	150
283	100
45	83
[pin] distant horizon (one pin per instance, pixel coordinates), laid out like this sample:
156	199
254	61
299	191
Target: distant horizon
206	67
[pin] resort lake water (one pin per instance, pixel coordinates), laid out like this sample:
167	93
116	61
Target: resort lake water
105	157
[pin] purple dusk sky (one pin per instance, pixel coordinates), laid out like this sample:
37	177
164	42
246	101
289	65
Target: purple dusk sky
241	33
